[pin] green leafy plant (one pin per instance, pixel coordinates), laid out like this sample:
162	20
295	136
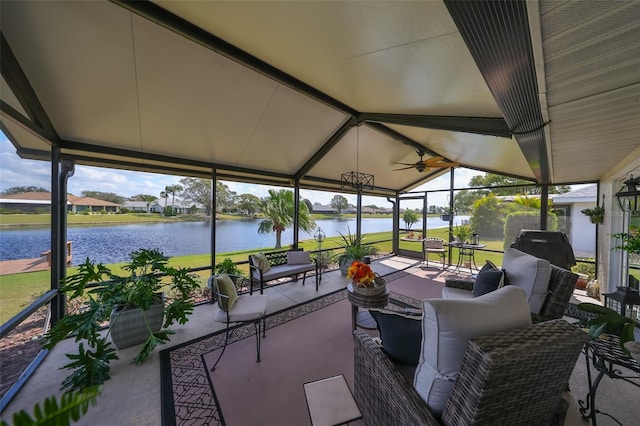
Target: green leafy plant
609	321
462	232
71	407
596	214
353	248
630	241
227	266
105	293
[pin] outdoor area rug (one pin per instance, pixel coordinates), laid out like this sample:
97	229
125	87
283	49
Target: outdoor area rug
318	345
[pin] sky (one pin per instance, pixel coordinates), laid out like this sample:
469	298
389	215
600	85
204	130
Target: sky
15	171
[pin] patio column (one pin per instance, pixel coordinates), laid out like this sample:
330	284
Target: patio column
544	207
395	234
214	185
296	212
359	214
61	171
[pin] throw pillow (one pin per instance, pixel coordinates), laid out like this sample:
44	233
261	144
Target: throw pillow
490	278
529	273
447	327
226	288
401	335
298	257
261	261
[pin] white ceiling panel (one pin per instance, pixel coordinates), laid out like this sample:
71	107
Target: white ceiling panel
78	58
130	76
401	57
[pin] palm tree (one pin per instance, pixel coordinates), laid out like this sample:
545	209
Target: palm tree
172	189
165	195
278	209
148	199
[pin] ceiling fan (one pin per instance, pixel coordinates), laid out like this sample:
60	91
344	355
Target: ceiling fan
436	162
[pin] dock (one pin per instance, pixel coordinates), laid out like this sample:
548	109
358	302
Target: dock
43	263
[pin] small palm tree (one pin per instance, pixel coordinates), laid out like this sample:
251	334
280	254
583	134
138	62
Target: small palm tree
278	209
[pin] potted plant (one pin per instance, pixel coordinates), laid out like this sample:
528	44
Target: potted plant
596	214
352	249
229	267
462	233
447	214
609	321
136	297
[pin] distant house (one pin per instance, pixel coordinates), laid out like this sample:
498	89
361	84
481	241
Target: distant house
179	206
136	206
32	202
91	205
323	209
573	222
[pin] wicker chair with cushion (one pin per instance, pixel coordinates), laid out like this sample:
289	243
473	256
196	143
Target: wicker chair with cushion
510	377
555	301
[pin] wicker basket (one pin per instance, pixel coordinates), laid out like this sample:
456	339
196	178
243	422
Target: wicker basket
379	286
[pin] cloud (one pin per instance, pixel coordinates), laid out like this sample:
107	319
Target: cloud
15	171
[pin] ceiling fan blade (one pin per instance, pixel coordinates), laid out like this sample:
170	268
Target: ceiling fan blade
404	168
405	164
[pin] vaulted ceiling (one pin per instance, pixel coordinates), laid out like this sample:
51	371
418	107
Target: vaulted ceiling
279	92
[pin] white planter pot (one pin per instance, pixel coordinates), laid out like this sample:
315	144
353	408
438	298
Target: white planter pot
129	328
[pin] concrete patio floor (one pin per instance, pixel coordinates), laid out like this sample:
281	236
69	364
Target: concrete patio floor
132	396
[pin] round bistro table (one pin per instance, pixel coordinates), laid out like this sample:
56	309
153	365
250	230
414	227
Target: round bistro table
363	319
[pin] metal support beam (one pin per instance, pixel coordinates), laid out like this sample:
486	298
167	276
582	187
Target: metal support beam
478	125
17	80
359	214
214	198
328	145
296	214
544	207
395	234
498	38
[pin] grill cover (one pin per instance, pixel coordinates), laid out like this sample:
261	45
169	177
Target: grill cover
549	245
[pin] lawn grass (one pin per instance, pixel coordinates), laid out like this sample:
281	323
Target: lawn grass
44	220
18	290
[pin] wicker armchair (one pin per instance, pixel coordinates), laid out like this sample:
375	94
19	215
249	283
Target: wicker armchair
513	377
561	286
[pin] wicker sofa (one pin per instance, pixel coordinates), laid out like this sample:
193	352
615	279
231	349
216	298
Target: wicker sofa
512	377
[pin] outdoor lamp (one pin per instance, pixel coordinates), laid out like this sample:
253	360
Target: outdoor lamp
319	236
629	194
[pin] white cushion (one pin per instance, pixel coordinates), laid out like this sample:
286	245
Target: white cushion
246	308
456	293
529	273
298	257
447	327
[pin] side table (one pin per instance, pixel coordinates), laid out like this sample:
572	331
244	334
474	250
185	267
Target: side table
331	402
363	319
607	358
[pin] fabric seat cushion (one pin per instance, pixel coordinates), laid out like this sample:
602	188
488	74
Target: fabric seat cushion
246	308
529	273
447	327
227	288
401	335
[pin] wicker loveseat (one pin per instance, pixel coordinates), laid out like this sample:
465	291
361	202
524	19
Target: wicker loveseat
514	377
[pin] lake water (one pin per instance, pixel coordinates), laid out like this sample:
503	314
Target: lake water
110	244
